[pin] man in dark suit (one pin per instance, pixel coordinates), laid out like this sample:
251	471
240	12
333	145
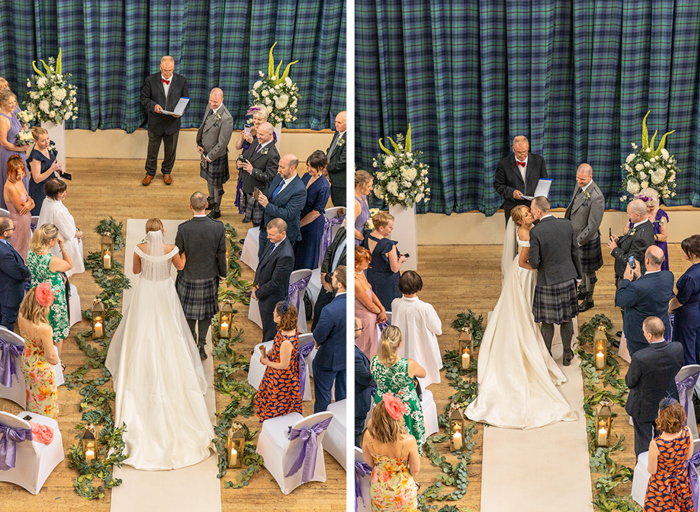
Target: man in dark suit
518	174
585	211
335	255
337	161
213	137
258	166
554	253
635	242
285	198
364	386
650	377
203	241
162	91
272	275
329	363
646	296
13	274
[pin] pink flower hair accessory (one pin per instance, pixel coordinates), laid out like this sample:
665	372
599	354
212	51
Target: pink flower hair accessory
44	295
394	406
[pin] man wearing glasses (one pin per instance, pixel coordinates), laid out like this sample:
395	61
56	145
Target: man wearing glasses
13	274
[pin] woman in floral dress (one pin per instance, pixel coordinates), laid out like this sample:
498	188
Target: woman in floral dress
47	268
39	356
393	455
395	375
280	389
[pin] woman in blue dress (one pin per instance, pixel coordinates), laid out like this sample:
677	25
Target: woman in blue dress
686	303
313	213
9	128
43	165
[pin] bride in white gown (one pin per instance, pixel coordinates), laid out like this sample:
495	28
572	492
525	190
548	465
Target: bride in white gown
158	376
517	375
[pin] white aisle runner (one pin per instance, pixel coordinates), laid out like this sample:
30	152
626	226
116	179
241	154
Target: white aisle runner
194	488
543	469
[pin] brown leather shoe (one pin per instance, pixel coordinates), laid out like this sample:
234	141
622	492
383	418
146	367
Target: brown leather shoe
147	180
167	179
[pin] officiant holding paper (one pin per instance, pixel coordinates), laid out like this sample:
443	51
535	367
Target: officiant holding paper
518	174
162	92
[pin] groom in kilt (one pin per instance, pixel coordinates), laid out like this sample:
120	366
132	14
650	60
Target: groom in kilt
203	242
554	252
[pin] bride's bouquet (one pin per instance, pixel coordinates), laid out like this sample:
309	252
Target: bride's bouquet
649	168
53	98
401	179
279	94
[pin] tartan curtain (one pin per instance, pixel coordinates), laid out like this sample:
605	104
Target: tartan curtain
110	47
575	77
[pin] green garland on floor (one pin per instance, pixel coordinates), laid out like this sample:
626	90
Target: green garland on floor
97	399
465	391
601	458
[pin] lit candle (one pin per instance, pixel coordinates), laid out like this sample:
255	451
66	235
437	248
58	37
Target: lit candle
233	456
107	261
602	437
98	328
224	329
457	440
600	361
89	456
466	361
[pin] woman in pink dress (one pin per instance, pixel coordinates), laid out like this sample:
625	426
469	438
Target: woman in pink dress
368	308
19	204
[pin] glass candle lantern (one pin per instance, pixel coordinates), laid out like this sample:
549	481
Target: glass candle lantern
235	445
600	342
456	428
88	443
225	318
107	251
603	423
98	319
466	349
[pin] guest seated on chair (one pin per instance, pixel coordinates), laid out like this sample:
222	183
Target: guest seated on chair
686	304
394	374
367	306
313	214
384	270
280	390
39	355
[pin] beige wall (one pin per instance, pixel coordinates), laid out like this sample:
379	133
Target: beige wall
119	144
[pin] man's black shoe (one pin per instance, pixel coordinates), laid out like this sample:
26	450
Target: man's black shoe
568	357
586	305
202	353
210	201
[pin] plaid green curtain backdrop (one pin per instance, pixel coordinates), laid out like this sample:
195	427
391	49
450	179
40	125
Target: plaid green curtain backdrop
111	46
576	77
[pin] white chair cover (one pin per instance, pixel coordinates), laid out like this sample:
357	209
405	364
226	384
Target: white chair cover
17	393
35	222
363	503
256	370
74	306
249	253
331	213
430	415
35	461
279	453
683	374
305	339
314	286
254	308
336	435
5	213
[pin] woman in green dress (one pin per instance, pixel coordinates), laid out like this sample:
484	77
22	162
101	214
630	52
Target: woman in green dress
47	268
395	375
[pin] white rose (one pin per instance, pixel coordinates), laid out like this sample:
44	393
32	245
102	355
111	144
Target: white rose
268	101
381	176
288	81
405	184
68	116
630	157
392	187
647	150
378	193
646	164
72	92
664	154
623	198
419	197
374	164
639	167
402	197
408	173
44	105
389	161
645	184
51	114
60	77
33	95
282	101
257	84
652	159
59	94
57	103
41	83
628	168
265	93
261	73
643	175
29	83
633	186
658	176
269	111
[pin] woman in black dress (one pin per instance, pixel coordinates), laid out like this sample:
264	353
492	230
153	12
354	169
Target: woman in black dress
43	165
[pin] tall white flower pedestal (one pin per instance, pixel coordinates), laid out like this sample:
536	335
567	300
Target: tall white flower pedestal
57	134
405	234
278	133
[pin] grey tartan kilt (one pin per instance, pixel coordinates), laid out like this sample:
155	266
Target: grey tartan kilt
591	256
199	297
216	172
253	211
556	303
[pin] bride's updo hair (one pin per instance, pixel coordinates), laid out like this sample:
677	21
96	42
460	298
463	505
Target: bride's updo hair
518	214
154	225
391	337
288	316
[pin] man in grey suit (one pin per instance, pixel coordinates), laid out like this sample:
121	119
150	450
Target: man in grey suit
585	211
554	253
212	143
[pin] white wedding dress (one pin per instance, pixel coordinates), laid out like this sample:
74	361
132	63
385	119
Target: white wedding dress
158	376
517	375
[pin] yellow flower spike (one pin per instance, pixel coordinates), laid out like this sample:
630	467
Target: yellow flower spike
286	70
662	143
384	148
645	133
36	69
651	144
58	63
46	66
271	62
277	72
408	139
396	146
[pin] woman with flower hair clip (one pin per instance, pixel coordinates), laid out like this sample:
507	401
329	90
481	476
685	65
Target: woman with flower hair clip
39	354
392	453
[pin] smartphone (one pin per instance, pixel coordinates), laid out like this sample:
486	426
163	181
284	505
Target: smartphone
256	193
631	261
67	176
407	255
609	232
246	130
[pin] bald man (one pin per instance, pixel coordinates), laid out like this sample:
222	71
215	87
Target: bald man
635	242
213	137
162	91
257	167
337	161
585	211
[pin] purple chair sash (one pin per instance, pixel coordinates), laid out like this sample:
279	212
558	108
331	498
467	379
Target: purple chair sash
307	455
295	290
362	469
8	444
8	368
693	477
383	325
327	237
301	354
683	386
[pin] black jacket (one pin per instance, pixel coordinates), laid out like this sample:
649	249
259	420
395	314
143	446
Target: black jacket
508	179
337	162
554	252
272	274
635	244
265	164
153	93
203	240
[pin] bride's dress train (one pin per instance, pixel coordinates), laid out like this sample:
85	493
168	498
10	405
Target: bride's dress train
517	375
158	376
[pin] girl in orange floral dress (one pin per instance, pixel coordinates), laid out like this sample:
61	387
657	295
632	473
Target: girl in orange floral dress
393	455
669	486
39	354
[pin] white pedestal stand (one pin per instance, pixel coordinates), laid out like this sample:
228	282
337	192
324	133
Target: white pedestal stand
278	132
405	233
57	134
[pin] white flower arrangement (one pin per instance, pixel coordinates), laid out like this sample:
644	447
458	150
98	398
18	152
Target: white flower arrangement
25	117
24	137
279	94
370	224
649	167
53	98
401	179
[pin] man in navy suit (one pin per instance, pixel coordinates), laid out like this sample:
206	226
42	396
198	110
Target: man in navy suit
329	363
646	296
13	274
651	377
284	199
364	386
